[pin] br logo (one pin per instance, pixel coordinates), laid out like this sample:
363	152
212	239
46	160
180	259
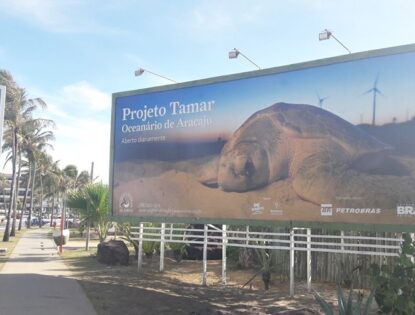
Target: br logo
326	209
405	210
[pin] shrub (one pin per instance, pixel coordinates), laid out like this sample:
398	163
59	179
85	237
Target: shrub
395	285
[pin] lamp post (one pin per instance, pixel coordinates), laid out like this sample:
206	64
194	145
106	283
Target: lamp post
234	53
326	34
2	105
140	71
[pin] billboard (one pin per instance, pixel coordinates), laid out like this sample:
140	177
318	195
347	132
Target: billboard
329	141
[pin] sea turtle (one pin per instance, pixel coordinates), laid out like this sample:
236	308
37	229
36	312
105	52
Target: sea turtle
320	152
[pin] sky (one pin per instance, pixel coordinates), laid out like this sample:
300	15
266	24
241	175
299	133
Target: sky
75	54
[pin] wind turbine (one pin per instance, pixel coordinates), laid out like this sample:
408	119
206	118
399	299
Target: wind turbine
375	91
320	100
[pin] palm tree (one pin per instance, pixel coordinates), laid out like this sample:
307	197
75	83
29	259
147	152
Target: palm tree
17	116
82	180
51	186
45	167
34	139
92	204
71	172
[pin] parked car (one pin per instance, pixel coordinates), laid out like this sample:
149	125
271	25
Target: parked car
35	221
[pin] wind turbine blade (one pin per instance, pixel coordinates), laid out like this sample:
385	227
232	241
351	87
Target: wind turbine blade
368	91
378	92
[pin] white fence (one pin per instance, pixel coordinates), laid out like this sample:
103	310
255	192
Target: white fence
298	239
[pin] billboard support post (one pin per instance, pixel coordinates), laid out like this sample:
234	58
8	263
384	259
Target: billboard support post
308	260
162	245
140	248
292	263
224	242
204	274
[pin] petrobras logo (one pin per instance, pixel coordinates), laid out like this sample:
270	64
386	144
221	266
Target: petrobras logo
358	210
405	210
326	209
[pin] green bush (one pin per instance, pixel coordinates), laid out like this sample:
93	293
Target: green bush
395	285
179	250
346	305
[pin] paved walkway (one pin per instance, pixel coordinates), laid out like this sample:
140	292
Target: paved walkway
35	280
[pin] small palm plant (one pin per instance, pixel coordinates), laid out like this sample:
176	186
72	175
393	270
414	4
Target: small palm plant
179	249
346	306
92	204
266	258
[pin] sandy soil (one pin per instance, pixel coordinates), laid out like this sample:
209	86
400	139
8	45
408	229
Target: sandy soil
122	290
157	190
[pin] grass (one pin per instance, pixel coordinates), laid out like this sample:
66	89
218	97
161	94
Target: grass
10	245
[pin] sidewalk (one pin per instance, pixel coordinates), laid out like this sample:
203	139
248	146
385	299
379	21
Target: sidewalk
35	280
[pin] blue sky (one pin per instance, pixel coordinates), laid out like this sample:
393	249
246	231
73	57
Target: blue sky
74	54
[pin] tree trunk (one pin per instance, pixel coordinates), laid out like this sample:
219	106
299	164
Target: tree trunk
6	235
16	196
41	201
29	219
88	229
53	207
25	198
266	278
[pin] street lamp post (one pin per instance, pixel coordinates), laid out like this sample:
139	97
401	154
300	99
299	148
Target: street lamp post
2	105
140	71
234	53
326	34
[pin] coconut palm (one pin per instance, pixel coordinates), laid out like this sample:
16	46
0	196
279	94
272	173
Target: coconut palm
31	137
18	113
51	186
45	167
34	139
92	204
82	180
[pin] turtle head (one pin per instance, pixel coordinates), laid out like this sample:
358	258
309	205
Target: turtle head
244	167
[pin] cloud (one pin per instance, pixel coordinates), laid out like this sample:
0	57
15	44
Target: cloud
80	142
54	16
84	94
82	116
215	18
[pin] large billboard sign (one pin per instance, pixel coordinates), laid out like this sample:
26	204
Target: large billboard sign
329	141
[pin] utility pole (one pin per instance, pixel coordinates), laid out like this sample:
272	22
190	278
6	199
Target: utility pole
2	106
92	172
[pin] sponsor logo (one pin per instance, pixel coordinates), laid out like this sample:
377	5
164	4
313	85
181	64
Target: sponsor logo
358	210
257	208
405	210
326	209
126	202
275	210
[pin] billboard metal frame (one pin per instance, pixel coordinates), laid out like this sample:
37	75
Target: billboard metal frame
244	75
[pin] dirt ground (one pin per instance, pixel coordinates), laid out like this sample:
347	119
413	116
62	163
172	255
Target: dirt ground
178	290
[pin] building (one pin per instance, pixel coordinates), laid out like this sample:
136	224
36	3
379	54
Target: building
5	188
